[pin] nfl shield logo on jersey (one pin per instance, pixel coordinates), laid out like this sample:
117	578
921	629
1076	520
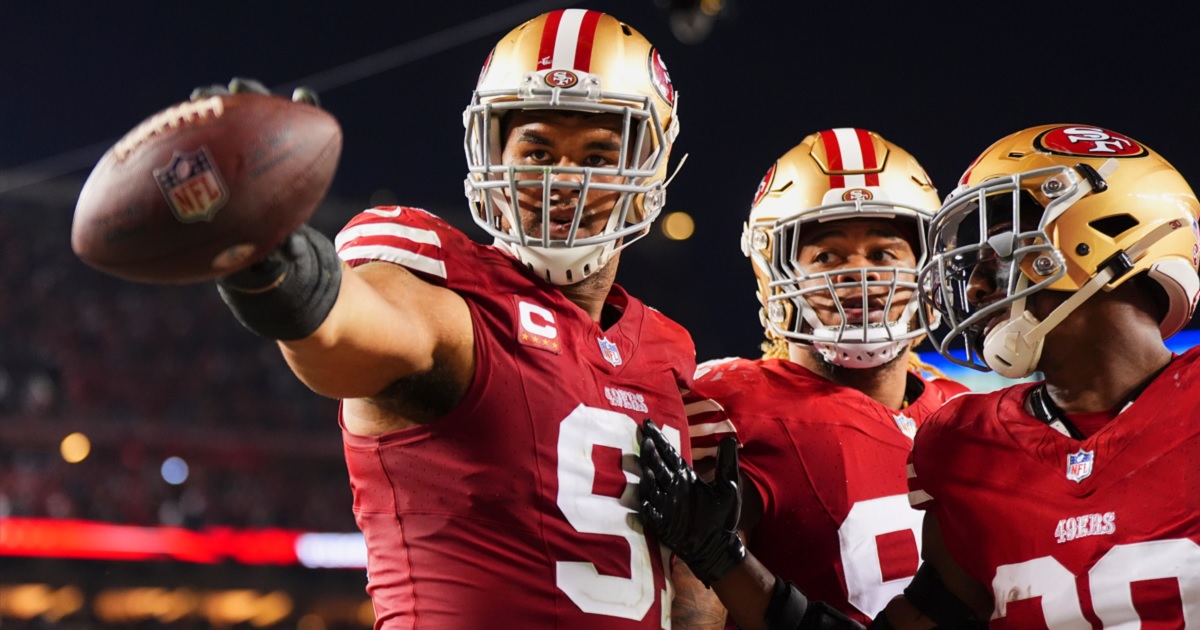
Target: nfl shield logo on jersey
609	350
1079	465
907	425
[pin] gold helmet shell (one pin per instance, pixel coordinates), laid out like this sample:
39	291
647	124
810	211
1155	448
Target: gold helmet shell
836	174
584	61
1073	208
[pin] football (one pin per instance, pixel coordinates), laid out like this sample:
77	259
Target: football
205	187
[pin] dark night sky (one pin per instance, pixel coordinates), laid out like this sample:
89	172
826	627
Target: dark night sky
942	79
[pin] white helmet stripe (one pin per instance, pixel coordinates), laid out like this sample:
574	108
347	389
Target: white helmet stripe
852	156
567	42
852	153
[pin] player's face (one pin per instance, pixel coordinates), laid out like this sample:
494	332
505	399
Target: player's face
852	250
549	138
992	277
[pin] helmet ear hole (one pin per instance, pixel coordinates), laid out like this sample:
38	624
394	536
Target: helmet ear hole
1177	280
1157	295
1114	225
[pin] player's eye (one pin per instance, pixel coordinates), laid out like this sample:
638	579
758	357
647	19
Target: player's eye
598	161
540	156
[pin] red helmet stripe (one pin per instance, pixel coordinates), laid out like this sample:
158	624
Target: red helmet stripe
567	40
870	161
549	35
587	33
850	152
833	153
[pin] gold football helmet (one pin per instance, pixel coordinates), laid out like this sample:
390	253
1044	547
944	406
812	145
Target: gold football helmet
576	60
1069	208
837	175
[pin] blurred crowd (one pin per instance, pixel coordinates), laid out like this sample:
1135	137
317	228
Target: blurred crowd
148	372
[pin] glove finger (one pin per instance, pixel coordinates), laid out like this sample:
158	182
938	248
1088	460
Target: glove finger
665	451
651	517
305	95
206	91
653	466
727	480
648	485
727	462
240	85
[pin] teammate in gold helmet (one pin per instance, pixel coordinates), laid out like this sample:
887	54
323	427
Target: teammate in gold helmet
1066	503
835	236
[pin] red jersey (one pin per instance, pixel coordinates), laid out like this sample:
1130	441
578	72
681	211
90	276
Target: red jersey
518	508
1098	533
828	462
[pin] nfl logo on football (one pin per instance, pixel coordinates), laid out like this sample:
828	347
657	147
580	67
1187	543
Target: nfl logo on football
1079	465
192	186
609	350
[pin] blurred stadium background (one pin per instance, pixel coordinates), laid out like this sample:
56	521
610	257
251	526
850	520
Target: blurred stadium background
161	468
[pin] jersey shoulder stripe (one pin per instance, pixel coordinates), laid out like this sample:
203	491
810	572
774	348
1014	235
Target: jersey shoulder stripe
708	424
409	237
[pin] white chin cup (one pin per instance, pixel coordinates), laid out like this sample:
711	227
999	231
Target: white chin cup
1014	348
857	356
561	265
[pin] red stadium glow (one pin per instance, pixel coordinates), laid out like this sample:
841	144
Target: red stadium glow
56	538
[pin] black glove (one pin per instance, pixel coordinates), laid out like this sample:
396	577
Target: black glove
697	520
288	294
297	249
240	85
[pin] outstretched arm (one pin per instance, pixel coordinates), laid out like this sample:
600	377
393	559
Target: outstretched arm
348	333
386	324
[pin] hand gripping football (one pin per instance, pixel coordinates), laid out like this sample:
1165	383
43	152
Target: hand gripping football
205	187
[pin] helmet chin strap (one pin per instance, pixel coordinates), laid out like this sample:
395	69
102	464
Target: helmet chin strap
859	356
876	345
1014	348
561	265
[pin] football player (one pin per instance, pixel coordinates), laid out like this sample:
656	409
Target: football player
825	420
1067	503
489	391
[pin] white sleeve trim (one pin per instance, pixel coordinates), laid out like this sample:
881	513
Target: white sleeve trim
711	428
702	406
413	234
402	257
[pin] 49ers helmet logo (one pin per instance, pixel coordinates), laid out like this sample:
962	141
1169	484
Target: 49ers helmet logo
1088	142
661	78
487	64
857	194
561	78
764	185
